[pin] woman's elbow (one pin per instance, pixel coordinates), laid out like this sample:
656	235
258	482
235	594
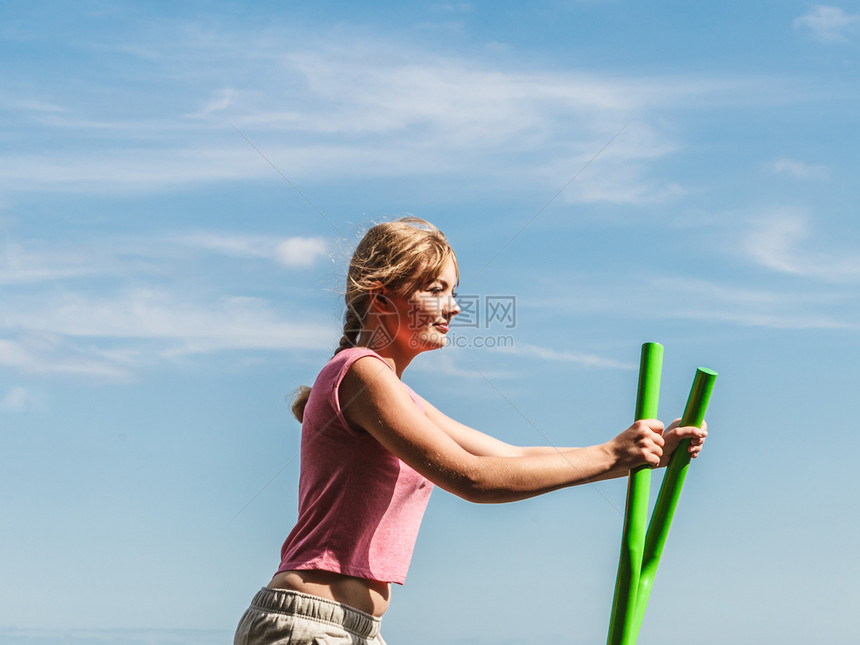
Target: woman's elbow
476	479
478	487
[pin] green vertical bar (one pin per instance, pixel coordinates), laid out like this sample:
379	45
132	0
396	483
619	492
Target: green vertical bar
670	492
621	621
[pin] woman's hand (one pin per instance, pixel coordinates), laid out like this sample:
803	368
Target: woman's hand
642	443
676	433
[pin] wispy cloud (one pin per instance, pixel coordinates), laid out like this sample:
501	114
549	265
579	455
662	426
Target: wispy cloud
829	24
301	251
115	338
453	362
48	356
27	106
359	107
784	242
453	7
37	261
127	169
468	102
297	252
222	99
110	305
622	183
32	261
707	300
20	399
797	169
772	241
622	173
184	327
678	298
582	359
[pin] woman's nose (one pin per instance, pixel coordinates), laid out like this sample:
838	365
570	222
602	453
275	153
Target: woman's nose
453	308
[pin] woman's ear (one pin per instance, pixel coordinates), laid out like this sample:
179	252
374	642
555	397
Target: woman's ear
378	300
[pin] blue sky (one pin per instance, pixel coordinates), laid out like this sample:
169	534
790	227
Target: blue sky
180	187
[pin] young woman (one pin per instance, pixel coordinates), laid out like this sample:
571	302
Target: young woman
372	450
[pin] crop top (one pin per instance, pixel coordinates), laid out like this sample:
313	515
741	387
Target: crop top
360	507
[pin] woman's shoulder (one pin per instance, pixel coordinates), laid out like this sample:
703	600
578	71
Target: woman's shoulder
349	355
339	364
367	373
326	393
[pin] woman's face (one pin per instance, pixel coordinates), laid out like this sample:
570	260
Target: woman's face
425	314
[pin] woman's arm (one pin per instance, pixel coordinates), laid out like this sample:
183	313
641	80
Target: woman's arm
471	440
480	444
373	398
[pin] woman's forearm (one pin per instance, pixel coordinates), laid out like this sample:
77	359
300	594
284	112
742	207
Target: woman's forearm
538	470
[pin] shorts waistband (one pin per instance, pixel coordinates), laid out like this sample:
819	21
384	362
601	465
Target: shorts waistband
297	603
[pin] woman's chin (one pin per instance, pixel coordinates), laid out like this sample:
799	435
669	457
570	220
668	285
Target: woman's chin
427	341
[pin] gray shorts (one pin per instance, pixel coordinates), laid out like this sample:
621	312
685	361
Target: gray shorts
283	617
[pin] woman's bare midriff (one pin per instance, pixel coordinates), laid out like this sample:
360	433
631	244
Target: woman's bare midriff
369	596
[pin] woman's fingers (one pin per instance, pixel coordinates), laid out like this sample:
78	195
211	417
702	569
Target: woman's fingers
649	440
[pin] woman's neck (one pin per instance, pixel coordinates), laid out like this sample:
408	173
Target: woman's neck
397	360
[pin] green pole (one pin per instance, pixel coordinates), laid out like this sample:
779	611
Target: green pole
621	621
670	492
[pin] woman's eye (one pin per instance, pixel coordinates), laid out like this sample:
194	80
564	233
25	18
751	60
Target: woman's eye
455	295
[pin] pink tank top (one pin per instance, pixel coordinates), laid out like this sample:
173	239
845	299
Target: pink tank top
360	507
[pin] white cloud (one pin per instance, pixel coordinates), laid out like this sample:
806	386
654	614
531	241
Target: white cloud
771	242
20	399
231	244
36	261
570	356
220	101
829	24
50	358
612	170
616	183
130	169
301	251
115	338
32	261
454	7
677	298
294	252
450	362
784	242
181	327
28	105
362	108
469	103
797	169
711	301
90	321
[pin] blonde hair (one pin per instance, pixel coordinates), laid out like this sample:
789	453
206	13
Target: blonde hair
398	256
